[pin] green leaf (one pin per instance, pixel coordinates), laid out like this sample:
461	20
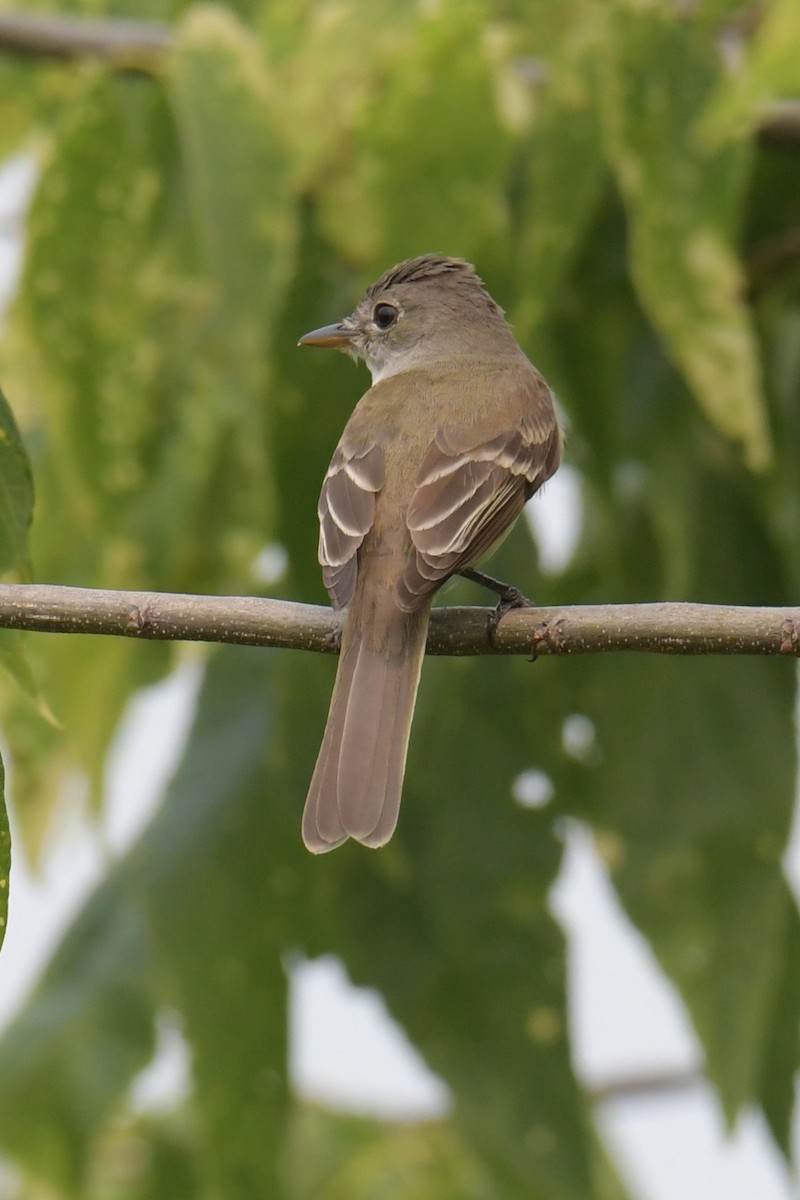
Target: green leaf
692	782
684	211
68	1056
197	917
770	73
559	201
82	297
692	796
445	187
80	687
220	886
5	857
16	513
149	377
16	663
239	182
148	374
776	1088
329	63
20	102
16	495
338	1157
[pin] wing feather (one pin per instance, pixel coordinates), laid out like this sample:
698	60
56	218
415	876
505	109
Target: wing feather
346	513
467	497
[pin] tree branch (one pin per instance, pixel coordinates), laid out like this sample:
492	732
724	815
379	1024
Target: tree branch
581	629
126	44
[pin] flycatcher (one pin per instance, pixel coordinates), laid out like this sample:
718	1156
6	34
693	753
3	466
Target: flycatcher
437	461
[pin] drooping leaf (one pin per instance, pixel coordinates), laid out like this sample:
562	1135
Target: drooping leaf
459	163
5	858
82	300
776	1084
16	513
150	379
239	183
684	211
16	495
167	928
693	800
565	172
68	1056
221	888
692	779
769	73
16	663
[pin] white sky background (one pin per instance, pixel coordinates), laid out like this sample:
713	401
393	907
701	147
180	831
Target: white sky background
627	1019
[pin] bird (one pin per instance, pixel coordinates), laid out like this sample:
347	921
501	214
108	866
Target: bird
436	462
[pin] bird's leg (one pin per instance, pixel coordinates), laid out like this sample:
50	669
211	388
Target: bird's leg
510	596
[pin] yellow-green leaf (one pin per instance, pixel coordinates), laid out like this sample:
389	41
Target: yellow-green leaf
16	495
5	858
683	202
769	74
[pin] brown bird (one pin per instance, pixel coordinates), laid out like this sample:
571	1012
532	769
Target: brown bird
435	464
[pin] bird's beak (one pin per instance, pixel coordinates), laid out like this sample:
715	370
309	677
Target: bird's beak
331	336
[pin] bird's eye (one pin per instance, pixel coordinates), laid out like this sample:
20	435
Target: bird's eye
384	315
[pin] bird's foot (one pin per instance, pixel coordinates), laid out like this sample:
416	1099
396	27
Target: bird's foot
509	597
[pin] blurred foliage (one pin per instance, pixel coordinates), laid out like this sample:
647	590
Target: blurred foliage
605	164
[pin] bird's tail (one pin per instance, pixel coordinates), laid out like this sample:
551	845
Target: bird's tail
357	782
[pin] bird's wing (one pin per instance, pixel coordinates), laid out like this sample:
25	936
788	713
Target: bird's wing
346	512
467	496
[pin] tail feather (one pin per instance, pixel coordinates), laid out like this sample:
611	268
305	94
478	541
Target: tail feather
322	828
357	783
